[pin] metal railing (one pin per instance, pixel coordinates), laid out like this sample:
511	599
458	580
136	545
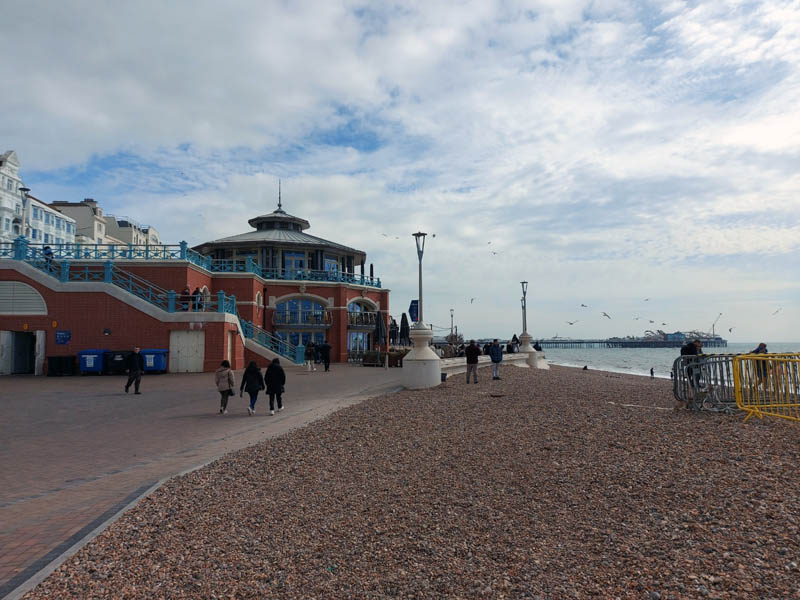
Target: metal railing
309	318
705	382
22	249
362	319
768	385
272	342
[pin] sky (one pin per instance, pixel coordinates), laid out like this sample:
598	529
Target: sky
640	158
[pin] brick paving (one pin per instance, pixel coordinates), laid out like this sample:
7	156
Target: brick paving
75	450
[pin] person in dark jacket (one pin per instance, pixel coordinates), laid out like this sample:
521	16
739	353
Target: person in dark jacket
252	383
275	379
761	365
135	370
472	352
693	348
197	299
311	353
496	354
325	352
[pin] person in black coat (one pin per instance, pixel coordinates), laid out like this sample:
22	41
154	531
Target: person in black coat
325	352
252	383
275	379
135	370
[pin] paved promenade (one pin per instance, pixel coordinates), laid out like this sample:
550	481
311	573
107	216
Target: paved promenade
75	450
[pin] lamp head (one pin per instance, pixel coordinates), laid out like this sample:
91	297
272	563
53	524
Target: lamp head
419	238
524	287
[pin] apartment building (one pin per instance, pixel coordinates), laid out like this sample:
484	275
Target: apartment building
129	231
23	214
90	224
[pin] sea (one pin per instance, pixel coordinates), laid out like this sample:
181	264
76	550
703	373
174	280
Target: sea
639	361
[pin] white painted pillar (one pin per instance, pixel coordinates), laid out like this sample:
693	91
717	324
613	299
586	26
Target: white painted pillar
421	367
6	352
39	354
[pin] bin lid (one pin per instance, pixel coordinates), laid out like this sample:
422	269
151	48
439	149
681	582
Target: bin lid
99	351
153	351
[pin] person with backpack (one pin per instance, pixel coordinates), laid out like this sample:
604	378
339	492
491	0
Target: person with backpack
496	354
225	381
275	379
472	352
252	383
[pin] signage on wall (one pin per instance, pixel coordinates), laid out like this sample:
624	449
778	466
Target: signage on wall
413	310
63	337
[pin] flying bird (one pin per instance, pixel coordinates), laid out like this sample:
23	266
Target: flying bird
584	306
571	322
780	308
487	243
730	329
385	234
647	299
471	300
651	321
493	252
635	318
605	314
663	323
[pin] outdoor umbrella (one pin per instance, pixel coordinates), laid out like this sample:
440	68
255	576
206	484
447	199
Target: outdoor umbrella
405	331
379	336
393	331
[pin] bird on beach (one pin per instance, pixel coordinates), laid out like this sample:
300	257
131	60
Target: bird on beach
571	322
780	308
605	314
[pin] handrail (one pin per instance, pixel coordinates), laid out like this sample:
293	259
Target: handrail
21	248
269	340
320	318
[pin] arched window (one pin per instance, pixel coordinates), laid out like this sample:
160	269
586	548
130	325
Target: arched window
258	300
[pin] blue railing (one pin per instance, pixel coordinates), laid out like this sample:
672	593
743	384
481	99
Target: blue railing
176	252
108	272
272	342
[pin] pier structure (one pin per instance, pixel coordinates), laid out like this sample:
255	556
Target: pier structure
626	343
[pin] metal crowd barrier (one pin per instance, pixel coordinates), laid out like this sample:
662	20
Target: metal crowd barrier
705	382
769	385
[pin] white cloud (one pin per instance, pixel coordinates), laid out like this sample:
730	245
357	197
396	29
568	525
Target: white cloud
605	146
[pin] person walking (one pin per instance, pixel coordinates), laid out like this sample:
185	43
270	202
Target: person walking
252	383
47	252
652	373
311	352
225	381
275	378
472	352
135	369
496	354
325	353
761	365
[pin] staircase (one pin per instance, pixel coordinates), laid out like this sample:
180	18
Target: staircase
272	342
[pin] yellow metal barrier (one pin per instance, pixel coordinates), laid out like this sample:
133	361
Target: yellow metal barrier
768	385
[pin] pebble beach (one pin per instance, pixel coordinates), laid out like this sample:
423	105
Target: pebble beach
546	484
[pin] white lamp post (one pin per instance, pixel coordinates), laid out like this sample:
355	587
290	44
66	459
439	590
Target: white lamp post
421	368
451	325
525	338
26	223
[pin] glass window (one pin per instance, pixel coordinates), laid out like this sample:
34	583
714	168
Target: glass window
19	209
7	224
9	185
46	238
331	264
294	261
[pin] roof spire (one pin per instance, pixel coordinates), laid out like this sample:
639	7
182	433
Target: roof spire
279	195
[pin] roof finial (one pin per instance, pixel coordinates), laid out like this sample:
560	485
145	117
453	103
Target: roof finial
279	195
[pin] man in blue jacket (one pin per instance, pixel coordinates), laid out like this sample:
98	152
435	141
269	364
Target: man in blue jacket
496	354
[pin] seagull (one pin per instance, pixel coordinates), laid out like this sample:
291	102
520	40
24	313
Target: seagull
385	234
663	323
730	329
471	300
605	314
433	235
493	252
647	299
571	322
780	308
651	321
487	243
635	318
584	306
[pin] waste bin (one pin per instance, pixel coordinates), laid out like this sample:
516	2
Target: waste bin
155	360
58	366
444	377
115	362
91	361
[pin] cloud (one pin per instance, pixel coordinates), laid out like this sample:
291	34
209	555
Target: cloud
602	146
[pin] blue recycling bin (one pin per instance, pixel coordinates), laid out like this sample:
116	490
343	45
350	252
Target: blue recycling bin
155	360
90	361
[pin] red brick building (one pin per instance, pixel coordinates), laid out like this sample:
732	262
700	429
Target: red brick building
260	294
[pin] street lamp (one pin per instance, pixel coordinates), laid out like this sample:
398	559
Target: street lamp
419	238
421	366
525	338
451	324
